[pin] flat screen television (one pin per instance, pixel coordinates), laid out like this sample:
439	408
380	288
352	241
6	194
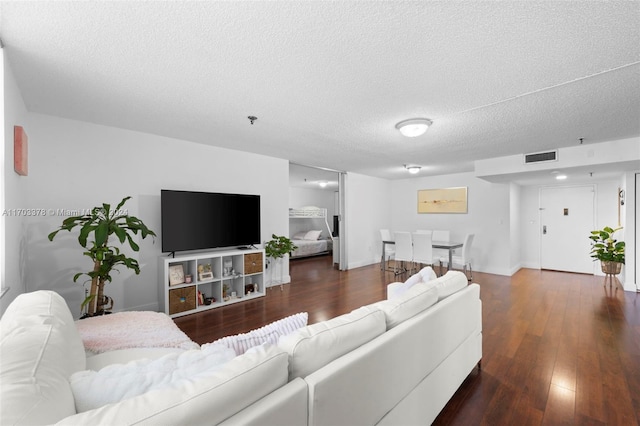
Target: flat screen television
204	220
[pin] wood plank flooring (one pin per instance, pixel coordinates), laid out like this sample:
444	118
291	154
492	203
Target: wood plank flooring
558	348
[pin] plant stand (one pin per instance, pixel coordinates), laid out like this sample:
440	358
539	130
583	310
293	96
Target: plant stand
610	277
610	269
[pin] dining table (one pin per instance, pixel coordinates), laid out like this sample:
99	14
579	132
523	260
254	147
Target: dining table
445	245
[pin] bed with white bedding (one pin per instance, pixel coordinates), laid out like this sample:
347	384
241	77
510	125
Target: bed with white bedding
311	247
311	242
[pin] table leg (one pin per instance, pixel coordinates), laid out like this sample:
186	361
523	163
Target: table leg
382	265
450	260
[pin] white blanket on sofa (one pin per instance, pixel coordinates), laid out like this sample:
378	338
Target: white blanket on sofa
116	382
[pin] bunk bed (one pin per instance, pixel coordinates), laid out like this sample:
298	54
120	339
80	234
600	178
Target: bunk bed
311	241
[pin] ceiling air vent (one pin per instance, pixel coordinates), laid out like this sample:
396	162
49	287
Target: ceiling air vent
541	156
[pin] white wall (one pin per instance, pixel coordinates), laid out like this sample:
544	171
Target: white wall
304	197
367	210
75	165
15	192
487	217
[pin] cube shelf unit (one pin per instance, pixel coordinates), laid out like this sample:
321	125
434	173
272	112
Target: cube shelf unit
231	271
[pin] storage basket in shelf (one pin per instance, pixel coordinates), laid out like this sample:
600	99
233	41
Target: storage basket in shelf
182	299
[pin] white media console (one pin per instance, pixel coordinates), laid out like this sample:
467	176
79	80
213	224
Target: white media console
207	280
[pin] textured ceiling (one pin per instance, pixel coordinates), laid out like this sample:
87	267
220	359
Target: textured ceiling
328	81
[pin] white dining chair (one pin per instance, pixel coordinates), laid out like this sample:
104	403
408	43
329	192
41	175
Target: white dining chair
464	260
422	249
389	250
440	235
404	252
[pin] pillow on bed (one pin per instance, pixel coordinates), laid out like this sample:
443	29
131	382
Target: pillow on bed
312	235
299	235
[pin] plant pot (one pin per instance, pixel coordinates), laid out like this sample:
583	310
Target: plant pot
610	267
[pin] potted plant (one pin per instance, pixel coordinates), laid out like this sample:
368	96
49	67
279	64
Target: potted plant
95	230
608	250
278	247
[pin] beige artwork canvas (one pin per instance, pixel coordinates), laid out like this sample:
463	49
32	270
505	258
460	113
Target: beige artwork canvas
444	200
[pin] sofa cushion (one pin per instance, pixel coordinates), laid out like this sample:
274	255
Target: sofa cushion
450	283
316	345
40	349
116	382
410	303
270	333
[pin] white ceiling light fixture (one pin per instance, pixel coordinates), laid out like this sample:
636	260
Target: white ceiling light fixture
412	169
561	177
414	127
323	183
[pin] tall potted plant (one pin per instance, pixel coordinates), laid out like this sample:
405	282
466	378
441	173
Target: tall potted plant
95	230
277	248
608	250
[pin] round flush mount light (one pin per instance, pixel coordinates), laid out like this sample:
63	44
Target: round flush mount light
323	183
561	177
412	169
414	127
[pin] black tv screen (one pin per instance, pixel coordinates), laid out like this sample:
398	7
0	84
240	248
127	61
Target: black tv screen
203	220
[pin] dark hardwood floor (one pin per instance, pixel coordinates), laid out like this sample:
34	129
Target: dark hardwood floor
558	348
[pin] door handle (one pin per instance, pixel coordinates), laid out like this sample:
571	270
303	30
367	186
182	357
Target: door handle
544	229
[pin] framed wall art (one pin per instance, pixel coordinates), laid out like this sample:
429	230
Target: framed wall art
443	200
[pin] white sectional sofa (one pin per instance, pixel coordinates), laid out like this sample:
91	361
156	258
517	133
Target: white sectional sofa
395	362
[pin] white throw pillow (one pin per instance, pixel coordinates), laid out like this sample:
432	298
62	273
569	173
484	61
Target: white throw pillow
270	333
426	274
312	235
299	235
116	382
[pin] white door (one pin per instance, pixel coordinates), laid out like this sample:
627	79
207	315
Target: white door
566	219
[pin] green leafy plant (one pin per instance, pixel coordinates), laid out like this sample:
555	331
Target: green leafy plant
95	230
278	246
606	248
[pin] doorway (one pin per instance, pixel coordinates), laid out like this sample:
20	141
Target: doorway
567	216
323	188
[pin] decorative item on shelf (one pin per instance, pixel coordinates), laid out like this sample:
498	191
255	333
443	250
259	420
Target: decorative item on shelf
277	248
228	267
176	274
608	250
187	279
95	230
204	272
209	300
225	292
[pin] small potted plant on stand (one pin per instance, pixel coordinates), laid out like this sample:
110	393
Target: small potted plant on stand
608	250
276	249
100	224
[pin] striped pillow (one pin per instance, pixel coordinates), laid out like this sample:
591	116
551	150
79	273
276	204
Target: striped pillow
270	333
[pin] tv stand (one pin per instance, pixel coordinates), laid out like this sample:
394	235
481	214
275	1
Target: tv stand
228	276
